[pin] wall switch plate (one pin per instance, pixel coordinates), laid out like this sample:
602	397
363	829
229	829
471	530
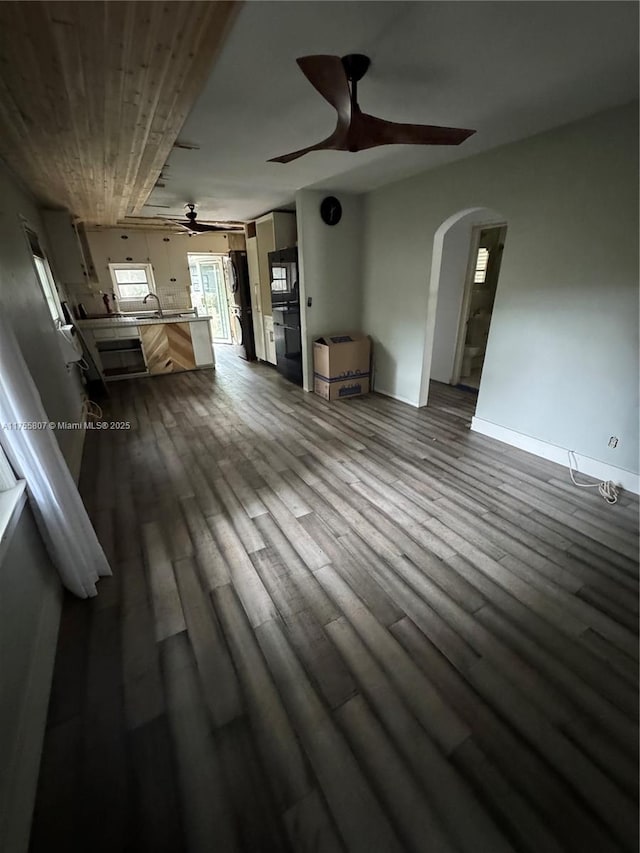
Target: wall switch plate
613	441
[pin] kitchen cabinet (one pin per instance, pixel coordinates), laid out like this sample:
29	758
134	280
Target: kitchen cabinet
160	252
123	350
269	341
236	241
109	247
122	358
275	230
167	347
65	250
202	345
116	351
170	264
256	301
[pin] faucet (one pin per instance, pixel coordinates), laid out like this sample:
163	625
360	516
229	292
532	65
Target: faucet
144	302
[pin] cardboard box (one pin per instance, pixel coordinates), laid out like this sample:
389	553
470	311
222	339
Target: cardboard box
340	390
341	365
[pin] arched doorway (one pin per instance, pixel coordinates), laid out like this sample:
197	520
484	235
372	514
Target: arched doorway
455	255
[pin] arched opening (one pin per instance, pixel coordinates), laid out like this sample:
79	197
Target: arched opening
453	294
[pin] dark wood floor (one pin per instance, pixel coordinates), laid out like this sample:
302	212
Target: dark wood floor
350	626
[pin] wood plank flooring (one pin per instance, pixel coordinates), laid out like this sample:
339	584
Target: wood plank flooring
349	626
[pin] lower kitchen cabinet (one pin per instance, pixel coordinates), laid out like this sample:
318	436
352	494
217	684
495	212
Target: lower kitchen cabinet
167	347
269	340
122	351
202	346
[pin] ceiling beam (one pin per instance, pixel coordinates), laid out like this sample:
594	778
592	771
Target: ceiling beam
93	95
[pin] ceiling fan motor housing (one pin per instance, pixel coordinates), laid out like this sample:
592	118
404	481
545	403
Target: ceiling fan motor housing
355	66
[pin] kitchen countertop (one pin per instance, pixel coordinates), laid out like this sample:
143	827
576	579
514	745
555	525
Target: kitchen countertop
110	322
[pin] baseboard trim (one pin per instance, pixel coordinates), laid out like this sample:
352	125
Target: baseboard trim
586	465
384	393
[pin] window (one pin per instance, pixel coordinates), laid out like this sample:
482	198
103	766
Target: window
482	260
132	281
279	279
45	277
48	287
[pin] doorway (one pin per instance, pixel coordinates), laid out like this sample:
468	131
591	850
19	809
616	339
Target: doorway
453	263
209	293
483	270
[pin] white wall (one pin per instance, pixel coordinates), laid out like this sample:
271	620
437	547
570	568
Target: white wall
22	300
455	257
330	258
562	356
165	251
30	604
30	593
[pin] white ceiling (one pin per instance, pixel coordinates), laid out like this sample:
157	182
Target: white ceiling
507	69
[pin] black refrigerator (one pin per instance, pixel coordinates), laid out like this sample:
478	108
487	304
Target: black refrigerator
243	341
285	305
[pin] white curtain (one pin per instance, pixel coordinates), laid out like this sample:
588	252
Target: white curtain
34	453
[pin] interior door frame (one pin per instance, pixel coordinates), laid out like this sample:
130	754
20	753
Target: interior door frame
465	307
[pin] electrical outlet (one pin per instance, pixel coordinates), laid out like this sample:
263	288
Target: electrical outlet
613	441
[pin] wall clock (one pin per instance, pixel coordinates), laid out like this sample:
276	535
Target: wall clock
330	210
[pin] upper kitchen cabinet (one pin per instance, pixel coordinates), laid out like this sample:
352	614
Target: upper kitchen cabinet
276	230
168	256
119	245
65	249
165	249
236	241
158	248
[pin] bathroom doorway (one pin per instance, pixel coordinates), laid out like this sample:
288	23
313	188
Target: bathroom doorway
487	246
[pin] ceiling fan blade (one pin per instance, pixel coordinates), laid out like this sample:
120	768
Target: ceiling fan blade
327	75
202	227
177	222
336	142
369	132
287	158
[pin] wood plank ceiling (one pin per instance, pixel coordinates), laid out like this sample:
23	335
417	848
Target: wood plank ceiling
93	95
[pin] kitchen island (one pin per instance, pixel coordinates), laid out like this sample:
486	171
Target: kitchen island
125	347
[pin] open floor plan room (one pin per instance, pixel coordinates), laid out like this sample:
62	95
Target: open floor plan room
339	626
319	449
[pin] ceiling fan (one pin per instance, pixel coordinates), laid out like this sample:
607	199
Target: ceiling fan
337	81
192	227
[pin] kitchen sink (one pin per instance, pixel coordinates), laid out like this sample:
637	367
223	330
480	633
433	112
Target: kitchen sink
167	315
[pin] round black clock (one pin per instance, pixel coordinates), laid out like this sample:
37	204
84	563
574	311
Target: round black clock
330	210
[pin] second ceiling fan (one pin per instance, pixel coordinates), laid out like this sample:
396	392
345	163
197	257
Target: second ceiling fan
193	227
337	81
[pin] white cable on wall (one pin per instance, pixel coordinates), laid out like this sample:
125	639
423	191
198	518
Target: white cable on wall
607	489
91	410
